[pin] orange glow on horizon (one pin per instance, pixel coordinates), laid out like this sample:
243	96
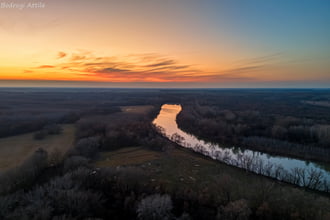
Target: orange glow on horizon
160	42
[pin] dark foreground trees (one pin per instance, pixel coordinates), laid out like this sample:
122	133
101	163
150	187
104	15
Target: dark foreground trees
74	189
155	207
25	175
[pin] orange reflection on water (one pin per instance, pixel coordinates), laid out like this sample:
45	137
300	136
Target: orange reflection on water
167	118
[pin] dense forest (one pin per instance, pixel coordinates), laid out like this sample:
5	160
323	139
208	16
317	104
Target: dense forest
275	121
175	183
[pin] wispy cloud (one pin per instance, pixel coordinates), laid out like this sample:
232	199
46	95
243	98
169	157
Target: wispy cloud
113	70
162	63
244	69
27	71
248	69
61	55
45	67
152	68
149	67
265	59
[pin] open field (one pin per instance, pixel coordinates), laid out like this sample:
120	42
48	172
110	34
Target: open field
173	169
182	172
127	156
137	109
14	150
179	167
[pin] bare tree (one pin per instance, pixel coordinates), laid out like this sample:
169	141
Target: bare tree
155	207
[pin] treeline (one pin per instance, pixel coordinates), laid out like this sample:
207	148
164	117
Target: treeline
126	193
25	110
20	124
303	137
50	129
70	187
311	178
276	146
74	189
106	133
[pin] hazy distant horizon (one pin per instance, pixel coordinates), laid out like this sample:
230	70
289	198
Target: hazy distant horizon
186	43
84	84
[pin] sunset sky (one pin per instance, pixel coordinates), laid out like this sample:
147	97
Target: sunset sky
166	43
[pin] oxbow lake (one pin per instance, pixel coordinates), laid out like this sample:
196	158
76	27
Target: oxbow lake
296	171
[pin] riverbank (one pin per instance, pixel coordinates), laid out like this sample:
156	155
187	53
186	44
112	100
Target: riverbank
313	154
299	172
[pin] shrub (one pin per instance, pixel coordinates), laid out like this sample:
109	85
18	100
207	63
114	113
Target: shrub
74	162
53	129
237	210
8	203
130	178
24	175
50	129
88	147
155	207
56	157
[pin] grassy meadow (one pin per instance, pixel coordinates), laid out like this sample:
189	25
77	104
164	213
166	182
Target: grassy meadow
15	149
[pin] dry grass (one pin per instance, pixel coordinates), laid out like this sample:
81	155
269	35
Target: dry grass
140	109
178	165
173	168
15	149
180	169
127	156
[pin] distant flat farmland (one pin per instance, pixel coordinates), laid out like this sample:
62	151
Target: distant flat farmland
14	150
142	109
318	103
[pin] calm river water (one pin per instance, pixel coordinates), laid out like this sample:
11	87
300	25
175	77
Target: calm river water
255	161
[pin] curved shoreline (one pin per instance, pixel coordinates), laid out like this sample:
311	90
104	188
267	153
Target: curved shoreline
282	168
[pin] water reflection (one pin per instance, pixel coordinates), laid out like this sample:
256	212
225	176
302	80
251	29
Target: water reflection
292	170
